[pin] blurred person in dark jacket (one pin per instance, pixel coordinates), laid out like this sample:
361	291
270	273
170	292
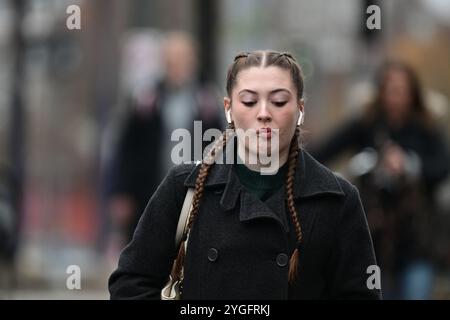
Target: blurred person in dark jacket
401	160
143	154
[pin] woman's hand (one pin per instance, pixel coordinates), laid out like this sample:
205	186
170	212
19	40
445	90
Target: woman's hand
393	159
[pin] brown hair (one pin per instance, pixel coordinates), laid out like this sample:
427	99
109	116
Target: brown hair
265	58
242	61
418	110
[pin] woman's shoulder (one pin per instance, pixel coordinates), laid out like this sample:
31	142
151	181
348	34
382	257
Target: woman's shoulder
349	189
323	178
179	172
182	169
172	187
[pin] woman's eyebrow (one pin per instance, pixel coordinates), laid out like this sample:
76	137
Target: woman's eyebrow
271	92
248	90
280	90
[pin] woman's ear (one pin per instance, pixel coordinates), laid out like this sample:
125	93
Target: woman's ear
227	107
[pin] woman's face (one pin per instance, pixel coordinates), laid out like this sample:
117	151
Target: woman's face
264	99
396	95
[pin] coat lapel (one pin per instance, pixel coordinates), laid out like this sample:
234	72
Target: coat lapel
274	207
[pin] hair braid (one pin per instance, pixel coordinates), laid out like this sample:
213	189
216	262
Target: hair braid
198	194
292	163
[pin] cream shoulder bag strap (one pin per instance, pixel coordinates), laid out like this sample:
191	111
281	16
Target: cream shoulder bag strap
171	290
184	216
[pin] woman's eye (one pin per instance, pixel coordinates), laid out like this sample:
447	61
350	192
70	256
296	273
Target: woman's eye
249	103
279	103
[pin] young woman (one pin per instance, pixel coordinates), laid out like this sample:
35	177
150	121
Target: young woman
299	233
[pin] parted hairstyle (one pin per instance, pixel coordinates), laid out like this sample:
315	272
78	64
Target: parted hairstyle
242	61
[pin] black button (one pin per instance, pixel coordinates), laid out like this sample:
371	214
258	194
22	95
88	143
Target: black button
212	254
282	259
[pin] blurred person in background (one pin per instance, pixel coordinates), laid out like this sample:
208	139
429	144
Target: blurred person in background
143	154
401	158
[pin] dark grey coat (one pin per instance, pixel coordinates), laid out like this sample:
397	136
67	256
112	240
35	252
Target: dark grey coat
239	247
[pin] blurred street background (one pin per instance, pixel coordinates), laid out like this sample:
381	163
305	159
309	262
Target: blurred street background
75	106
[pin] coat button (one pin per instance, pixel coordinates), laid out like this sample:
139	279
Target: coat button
212	254
282	259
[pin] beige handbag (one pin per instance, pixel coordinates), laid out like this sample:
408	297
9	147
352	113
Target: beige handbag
171	290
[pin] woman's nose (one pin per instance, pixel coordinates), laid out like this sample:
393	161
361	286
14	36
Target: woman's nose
264	114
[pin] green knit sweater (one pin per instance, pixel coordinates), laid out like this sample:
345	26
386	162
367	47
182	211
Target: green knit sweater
263	186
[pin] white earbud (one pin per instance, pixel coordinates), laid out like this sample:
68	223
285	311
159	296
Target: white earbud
300	119
228	116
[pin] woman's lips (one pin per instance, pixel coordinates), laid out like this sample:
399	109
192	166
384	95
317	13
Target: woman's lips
264	132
